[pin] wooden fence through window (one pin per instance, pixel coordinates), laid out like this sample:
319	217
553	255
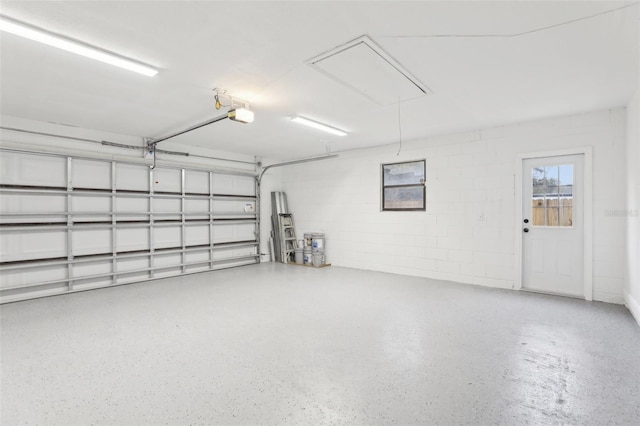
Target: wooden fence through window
558	212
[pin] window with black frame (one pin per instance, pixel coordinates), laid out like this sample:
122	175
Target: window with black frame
403	186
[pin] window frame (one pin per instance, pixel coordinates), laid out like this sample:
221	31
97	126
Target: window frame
413	185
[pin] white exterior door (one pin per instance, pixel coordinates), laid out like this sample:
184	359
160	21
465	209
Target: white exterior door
553	225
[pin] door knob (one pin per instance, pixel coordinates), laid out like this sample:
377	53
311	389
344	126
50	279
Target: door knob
526	229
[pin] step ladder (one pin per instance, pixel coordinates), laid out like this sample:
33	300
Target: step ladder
288	240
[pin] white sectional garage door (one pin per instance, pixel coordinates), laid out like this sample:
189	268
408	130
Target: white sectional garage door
71	224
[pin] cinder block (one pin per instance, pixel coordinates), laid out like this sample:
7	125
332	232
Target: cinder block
448	267
461	256
436	253
448	243
473	269
500	272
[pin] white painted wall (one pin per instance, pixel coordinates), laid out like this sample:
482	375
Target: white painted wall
632	281
467	233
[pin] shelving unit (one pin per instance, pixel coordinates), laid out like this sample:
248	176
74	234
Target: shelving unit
78	223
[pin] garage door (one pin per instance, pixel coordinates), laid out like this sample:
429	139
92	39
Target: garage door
70	224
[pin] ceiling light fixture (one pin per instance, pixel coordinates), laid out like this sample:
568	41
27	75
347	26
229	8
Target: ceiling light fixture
242	115
319	126
45	37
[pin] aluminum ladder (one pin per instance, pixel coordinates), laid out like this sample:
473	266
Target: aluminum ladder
288	240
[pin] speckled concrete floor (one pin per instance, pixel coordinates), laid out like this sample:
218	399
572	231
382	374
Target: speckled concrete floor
277	344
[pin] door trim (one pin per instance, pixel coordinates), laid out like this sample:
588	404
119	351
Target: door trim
587	151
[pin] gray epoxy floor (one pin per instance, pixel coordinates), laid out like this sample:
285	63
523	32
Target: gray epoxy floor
278	344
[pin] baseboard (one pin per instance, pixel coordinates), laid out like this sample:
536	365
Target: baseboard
617	299
633	306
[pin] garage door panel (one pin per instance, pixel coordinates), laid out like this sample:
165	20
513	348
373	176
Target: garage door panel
132	239
168	237
130	177
26	169
57	222
197	235
196	182
132	277
24	208
91	283
133	264
197	208
162	206
172	259
89	269
91	174
91	205
233	184
91	241
127	206
33	245
197	261
18	277
34	291
225	233
169	272
167	180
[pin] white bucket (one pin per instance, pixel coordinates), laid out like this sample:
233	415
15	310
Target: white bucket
317	241
318	258
307	259
299	255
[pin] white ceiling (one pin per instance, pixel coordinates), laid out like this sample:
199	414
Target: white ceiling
487	63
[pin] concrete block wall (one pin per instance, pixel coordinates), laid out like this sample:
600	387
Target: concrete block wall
632	212
467	233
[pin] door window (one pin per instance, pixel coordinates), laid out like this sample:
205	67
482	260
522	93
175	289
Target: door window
552	195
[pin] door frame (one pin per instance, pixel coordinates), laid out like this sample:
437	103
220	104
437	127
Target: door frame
587	151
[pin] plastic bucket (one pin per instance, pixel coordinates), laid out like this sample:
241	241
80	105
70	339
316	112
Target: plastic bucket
318	258
317	242
299	255
307	259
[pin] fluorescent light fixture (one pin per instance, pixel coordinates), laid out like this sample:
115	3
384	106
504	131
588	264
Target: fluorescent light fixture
242	115
41	36
319	126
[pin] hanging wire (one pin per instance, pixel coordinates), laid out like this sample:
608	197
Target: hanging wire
399	128
535	30
219	103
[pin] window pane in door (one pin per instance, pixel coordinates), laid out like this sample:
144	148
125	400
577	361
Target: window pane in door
551	180
552	195
537	216
537	180
566	180
566	213
552	216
